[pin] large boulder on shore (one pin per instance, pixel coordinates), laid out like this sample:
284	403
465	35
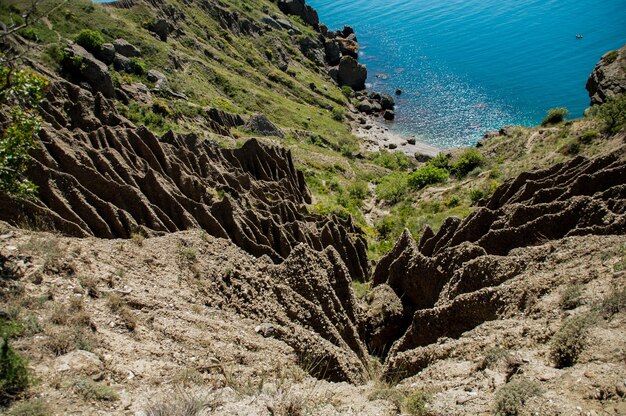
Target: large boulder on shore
301	9
351	73
608	78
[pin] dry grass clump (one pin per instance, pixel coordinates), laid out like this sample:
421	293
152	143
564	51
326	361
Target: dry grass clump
92	390
33	407
118	305
512	396
614	302
182	404
492	357
47	247
63	340
416	403
90	284
571	297
570	340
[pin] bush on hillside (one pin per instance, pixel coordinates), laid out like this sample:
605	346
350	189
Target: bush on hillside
90	40
441	161
569	341
22	93
467	162
13	372
512	396
613	114
347	91
555	116
138	66
391	160
427	175
392	188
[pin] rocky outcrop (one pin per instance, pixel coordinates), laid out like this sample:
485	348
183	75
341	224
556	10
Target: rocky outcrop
608	78
260	124
123	47
351	73
301	9
307	302
85	66
454	280
98	175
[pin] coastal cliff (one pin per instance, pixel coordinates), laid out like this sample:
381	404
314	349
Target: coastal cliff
208	236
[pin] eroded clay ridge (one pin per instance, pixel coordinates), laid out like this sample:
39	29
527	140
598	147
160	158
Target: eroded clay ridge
99	175
452	281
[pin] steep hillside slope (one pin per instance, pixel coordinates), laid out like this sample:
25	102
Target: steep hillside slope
99	175
203	216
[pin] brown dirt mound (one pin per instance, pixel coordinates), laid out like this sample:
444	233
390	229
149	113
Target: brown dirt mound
98	175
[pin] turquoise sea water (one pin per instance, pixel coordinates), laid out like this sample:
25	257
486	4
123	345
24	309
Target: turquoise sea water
474	65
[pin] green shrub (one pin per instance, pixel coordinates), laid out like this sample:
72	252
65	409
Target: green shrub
612	113
441	161
555	116
386	226
588	136
160	107
21	94
492	357
347	91
138	66
468	161
96	391
427	175
30	34
571	149
453	201
358	190
571	297
614	302
391	160
392	188
512	396
90	40
569	341
390	394
13	372
416	403
337	114
476	195
611	57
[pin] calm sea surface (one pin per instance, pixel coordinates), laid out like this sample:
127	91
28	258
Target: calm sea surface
468	66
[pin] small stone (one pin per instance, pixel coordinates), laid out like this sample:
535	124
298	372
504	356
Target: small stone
392	146
78	361
265	329
411	140
11	248
398	92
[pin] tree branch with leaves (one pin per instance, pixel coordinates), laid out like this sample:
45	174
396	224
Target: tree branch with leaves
21	92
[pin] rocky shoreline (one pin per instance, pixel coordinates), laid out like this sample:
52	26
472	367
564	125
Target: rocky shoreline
378	137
